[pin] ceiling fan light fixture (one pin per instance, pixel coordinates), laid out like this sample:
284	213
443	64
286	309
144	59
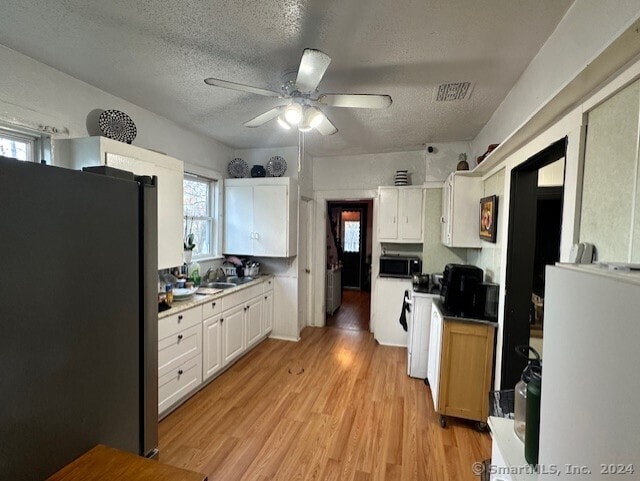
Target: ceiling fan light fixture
293	113
313	117
283	123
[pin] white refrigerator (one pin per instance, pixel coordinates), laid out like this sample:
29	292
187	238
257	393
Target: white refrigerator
590	404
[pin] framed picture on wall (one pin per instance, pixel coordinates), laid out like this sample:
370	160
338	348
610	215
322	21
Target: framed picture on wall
488	218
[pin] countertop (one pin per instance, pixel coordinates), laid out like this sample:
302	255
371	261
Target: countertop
512	451
449	315
108	464
198	299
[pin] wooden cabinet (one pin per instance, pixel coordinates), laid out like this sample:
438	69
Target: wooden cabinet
460	221
466	369
401	214
261	217
211	339
94	151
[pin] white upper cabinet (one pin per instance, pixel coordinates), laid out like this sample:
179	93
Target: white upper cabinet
260	217
461	211
401	214
92	151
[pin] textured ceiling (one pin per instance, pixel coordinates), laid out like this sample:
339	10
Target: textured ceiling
156	53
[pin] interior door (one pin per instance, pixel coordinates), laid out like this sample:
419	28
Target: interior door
238	220
269	224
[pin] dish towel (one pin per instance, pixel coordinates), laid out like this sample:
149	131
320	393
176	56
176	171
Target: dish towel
405	308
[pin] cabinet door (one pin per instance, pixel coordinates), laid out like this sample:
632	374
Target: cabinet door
270	220
388	214
465	372
232	333
267	316
238	220
212	347
253	321
411	214
170	201
433	363
445	220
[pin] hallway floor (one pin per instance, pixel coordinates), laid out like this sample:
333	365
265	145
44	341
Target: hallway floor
354	312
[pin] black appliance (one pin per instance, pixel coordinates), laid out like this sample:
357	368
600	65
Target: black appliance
459	285
486	301
401	267
78	316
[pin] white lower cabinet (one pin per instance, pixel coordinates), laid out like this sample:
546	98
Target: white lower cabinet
211	346
253	321
233	344
178	383
267	317
196	344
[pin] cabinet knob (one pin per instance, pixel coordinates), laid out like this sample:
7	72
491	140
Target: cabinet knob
265	298
179	317
221	320
180	372
179	337
213	304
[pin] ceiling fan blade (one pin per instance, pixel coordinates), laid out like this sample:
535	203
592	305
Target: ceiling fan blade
265	117
313	65
241	87
326	127
356	101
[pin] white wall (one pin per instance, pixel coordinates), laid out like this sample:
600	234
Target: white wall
587	28
33	94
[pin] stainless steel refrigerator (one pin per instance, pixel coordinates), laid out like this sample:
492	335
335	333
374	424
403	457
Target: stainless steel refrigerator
78	315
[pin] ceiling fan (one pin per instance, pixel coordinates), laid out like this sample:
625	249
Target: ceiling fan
302	110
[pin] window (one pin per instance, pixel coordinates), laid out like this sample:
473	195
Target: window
199	214
23	144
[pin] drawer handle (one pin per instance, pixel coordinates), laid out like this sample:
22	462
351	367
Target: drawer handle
221	320
180	372
179	337
213	304
265	298
179	317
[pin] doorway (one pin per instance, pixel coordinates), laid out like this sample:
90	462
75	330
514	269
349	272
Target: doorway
348	279
535	219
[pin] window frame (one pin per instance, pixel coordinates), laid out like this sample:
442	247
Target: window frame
39	142
213	217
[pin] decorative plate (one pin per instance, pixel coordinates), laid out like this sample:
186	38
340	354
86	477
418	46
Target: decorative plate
117	125
238	168
276	167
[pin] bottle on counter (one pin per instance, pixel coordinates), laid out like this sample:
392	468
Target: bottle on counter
520	394
193	272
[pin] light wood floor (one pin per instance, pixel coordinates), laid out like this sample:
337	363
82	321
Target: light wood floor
354	313
334	406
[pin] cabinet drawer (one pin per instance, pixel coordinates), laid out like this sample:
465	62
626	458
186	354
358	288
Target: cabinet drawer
267	286
179	382
178	348
211	308
178	322
241	297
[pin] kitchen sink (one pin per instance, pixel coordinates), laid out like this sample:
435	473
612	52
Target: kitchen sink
239	280
220	285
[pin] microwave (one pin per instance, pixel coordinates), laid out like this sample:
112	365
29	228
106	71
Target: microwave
400	266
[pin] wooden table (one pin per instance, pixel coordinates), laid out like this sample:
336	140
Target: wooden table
108	464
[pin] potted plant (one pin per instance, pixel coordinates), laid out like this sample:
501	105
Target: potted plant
189	244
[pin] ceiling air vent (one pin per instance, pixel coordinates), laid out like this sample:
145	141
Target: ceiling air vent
453	91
